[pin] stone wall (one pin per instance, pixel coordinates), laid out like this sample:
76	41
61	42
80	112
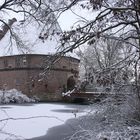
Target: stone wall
25	73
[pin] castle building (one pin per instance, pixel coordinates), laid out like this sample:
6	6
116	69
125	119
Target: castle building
28	73
24	61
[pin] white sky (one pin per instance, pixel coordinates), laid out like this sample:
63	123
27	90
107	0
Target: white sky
68	18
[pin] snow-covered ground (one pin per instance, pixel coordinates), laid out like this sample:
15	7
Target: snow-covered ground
33	120
116	118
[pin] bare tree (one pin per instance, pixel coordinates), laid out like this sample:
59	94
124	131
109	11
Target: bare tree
113	19
27	12
118	20
108	62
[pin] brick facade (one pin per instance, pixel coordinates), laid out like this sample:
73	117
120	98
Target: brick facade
26	73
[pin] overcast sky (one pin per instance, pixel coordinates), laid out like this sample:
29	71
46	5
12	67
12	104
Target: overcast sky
68	18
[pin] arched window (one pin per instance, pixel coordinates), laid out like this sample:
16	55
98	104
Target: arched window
71	83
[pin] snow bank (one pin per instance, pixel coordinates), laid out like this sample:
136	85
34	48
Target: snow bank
129	133
113	120
14	96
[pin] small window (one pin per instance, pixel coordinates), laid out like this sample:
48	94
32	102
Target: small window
46	85
5	63
33	85
18	82
72	70
64	67
24	60
10	66
17	61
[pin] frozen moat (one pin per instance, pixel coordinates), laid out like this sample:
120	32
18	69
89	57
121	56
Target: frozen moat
25	121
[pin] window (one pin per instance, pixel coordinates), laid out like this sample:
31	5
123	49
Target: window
64	67
18	82
24	60
5	63
10	66
17	61
33	85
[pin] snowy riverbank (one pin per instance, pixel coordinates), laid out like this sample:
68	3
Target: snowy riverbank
113	119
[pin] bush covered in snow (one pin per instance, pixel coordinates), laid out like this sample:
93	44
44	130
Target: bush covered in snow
115	119
13	96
